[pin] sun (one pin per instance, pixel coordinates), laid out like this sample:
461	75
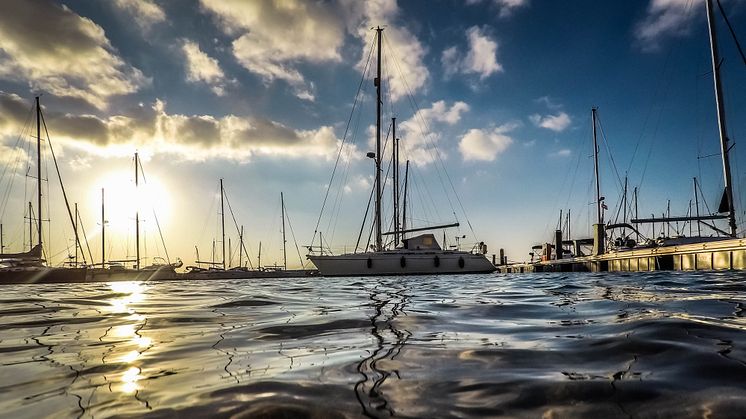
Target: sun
123	201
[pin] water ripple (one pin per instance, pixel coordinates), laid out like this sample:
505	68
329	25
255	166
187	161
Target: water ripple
581	345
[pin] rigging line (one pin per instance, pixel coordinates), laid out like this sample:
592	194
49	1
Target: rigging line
608	150
732	32
157	223
16	164
59	176
292	233
439	159
362	227
564	182
87	244
344	138
205	224
235	223
337	206
664	89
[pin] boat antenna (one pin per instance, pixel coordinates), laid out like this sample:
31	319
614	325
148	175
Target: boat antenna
724	147
377	83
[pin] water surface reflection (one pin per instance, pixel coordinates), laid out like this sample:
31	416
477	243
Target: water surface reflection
587	345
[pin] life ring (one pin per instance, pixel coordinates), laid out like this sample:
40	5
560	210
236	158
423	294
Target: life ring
370	263
437	261
461	262
403	262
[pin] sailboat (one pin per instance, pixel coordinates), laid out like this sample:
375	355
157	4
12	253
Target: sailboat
696	252
222	270
30	266
416	255
116	270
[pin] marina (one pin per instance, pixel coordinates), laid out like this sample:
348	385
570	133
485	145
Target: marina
372	209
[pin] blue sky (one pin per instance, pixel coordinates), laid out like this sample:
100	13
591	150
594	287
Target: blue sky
259	93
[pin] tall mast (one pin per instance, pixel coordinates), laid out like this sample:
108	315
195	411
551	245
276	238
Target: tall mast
222	219
724	147
75	225
38	163
636	216
395	162
696	206
404	207
103	231
137	215
240	248
379	237
30	226
2	245
284	242
259	261
599	218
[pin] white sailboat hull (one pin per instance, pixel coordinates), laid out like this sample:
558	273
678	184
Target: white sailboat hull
402	263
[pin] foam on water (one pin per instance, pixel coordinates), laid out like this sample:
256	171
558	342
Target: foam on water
593	345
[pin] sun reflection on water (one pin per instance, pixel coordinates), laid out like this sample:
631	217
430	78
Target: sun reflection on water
130	379
133	344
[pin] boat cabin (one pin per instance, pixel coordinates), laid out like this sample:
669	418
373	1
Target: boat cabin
422	242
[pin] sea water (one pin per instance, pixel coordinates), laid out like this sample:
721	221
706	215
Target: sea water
558	345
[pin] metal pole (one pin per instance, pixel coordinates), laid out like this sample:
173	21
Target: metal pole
696	206
103	231
404	207
395	189
724	147
137	216
668	223
595	166
222	220
636	209
260	256
240	249
30	227
284	242
38	163
75	225
2	245
379	238
624	230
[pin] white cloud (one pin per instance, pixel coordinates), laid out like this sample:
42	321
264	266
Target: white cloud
272	37
191	137
480	59
201	68
145	12
664	18
548	102
506	7
556	123
64	54
561	153
406	72
419	141
486	145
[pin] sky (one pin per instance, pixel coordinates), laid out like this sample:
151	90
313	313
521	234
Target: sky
492	100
